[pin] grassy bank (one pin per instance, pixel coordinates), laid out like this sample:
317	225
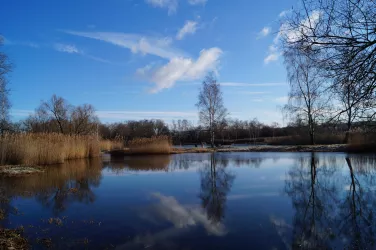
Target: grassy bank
321	139
44	149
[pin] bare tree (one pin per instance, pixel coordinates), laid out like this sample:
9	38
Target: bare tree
210	105
59	109
83	120
342	37
5	69
351	107
307	97
57	115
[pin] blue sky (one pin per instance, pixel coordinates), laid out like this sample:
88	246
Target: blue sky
135	59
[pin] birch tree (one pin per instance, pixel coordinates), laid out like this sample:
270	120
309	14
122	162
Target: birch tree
210	105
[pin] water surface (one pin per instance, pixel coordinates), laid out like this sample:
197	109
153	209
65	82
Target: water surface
198	201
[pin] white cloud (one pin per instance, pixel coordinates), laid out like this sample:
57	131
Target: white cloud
121	115
22	43
136	43
71	49
264	32
282	99
284	13
273	54
197	2
189	27
253	92
288	33
241	84
182	69
136	115
170	5
21	112
292	35
271	58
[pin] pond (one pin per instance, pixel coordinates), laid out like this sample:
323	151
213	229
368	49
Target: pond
198	201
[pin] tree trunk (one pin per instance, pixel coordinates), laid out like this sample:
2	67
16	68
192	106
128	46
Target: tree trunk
349	127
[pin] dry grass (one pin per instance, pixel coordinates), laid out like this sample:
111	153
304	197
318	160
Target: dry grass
154	145
321	139
44	149
362	142
108	145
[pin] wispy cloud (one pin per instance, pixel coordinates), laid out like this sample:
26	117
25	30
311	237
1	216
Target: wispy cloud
128	115
264	32
271	58
197	2
282	99
284	13
273	54
241	84
182	69
72	49
21	43
121	115
68	48
170	5
21	113
189	27
253	92
160	47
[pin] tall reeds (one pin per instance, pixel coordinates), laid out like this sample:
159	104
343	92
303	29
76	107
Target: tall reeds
107	145
154	145
44	149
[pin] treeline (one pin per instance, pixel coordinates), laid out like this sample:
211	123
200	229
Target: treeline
57	115
230	131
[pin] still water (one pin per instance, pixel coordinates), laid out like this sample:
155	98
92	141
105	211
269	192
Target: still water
198	201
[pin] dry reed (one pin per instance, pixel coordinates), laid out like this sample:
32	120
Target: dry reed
154	145
362	142
44	149
108	145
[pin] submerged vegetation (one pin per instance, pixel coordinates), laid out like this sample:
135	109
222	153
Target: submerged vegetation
12	239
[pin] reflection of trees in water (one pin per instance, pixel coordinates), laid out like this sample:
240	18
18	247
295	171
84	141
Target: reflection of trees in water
356	218
5	202
311	190
332	207
216	182
139	163
241	160
59	186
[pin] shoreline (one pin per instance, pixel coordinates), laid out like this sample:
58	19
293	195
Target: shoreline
345	148
20	170
270	148
24	170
